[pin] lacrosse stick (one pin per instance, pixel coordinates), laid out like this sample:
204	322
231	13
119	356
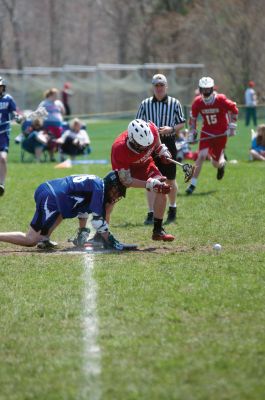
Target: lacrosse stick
27	115
211	136
188	169
39	113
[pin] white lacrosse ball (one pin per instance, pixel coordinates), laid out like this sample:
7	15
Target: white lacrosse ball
217	247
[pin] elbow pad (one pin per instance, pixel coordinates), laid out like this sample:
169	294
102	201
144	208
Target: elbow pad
125	177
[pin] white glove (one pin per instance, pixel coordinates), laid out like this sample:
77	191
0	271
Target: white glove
192	135
18	118
154	185
231	131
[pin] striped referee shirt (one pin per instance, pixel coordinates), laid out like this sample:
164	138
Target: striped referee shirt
167	112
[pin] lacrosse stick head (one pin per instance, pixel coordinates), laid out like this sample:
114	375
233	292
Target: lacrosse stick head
40	113
188	170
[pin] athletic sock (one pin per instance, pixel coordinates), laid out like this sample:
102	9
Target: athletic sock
194	181
157	224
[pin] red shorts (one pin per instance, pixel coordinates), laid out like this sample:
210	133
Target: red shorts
144	171
215	146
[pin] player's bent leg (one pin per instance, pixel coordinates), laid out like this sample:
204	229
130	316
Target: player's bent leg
160	205
172	209
159	210
202	155
220	165
3	171
45	243
28	239
150	196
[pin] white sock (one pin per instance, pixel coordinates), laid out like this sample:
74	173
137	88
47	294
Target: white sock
194	181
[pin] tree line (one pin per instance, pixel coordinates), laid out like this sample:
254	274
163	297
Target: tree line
225	35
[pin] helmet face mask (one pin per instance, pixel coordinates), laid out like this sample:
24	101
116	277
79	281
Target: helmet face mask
140	137
206	92
114	190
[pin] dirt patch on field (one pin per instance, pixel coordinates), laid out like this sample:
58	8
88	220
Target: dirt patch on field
64	249
159	248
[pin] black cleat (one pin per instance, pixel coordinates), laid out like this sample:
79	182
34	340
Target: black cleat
149	218
171	215
47	244
2	190
81	237
190	190
162	235
220	173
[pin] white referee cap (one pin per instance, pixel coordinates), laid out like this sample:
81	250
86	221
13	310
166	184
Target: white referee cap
159	78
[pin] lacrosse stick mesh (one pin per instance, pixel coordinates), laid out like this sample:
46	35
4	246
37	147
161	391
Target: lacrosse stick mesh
188	170
39	113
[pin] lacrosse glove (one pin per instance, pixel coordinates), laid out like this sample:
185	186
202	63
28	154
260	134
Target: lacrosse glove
231	129
154	185
82	236
192	136
18	118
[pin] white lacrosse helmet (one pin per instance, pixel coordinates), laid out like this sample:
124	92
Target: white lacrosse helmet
140	136
206	86
206	82
3	85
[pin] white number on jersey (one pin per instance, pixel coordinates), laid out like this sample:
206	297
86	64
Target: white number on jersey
211	119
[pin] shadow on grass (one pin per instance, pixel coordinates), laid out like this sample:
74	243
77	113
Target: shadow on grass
199	194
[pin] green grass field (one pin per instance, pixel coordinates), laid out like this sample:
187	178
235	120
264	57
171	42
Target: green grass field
171	321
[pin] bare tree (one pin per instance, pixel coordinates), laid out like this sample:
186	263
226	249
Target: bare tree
11	8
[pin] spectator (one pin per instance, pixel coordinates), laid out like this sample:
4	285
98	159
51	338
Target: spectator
53	122
68	197
7	112
257	151
75	140
66	93
184	151
166	112
35	139
251	104
216	110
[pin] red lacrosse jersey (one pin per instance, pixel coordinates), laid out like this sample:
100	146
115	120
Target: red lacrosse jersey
141	165
214	115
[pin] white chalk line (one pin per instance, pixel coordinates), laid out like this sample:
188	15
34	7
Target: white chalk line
92	353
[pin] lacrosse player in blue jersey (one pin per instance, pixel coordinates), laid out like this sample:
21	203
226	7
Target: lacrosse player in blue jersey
70	197
7	113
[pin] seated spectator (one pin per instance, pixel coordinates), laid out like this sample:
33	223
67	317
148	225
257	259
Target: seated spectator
257	151
35	140
183	147
75	140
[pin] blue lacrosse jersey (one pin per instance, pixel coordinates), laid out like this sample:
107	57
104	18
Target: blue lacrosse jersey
7	107
78	194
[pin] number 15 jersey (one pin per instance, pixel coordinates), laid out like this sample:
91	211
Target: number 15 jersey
215	115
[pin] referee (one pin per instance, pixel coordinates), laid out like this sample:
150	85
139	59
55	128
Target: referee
166	112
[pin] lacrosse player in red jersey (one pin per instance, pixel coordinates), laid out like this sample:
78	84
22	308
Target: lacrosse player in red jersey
131	157
219	115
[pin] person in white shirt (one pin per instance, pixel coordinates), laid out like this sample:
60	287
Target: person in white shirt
251	104
75	140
